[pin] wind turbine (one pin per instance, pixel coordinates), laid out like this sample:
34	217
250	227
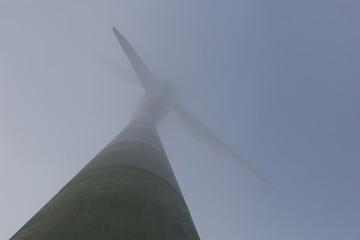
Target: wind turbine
159	99
129	190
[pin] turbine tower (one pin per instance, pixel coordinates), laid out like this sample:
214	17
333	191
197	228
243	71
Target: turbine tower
129	190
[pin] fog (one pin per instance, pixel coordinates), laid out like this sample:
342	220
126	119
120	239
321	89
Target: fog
277	81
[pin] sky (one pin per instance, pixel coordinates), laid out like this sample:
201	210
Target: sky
278	81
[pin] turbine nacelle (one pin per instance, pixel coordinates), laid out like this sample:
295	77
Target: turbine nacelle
158	106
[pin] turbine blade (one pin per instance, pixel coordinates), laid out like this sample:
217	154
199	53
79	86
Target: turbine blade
202	133
147	79
119	72
123	74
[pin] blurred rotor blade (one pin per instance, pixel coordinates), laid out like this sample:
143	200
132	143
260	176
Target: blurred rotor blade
202	133
124	74
119	72
147	79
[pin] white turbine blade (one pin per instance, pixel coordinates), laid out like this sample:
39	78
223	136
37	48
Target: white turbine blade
202	133
147	79
119	72
123	74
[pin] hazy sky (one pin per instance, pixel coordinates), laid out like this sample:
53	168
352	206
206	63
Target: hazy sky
278	80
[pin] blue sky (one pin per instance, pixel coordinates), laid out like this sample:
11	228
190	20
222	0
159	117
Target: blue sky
277	80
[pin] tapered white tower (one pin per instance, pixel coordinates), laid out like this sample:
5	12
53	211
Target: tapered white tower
128	191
